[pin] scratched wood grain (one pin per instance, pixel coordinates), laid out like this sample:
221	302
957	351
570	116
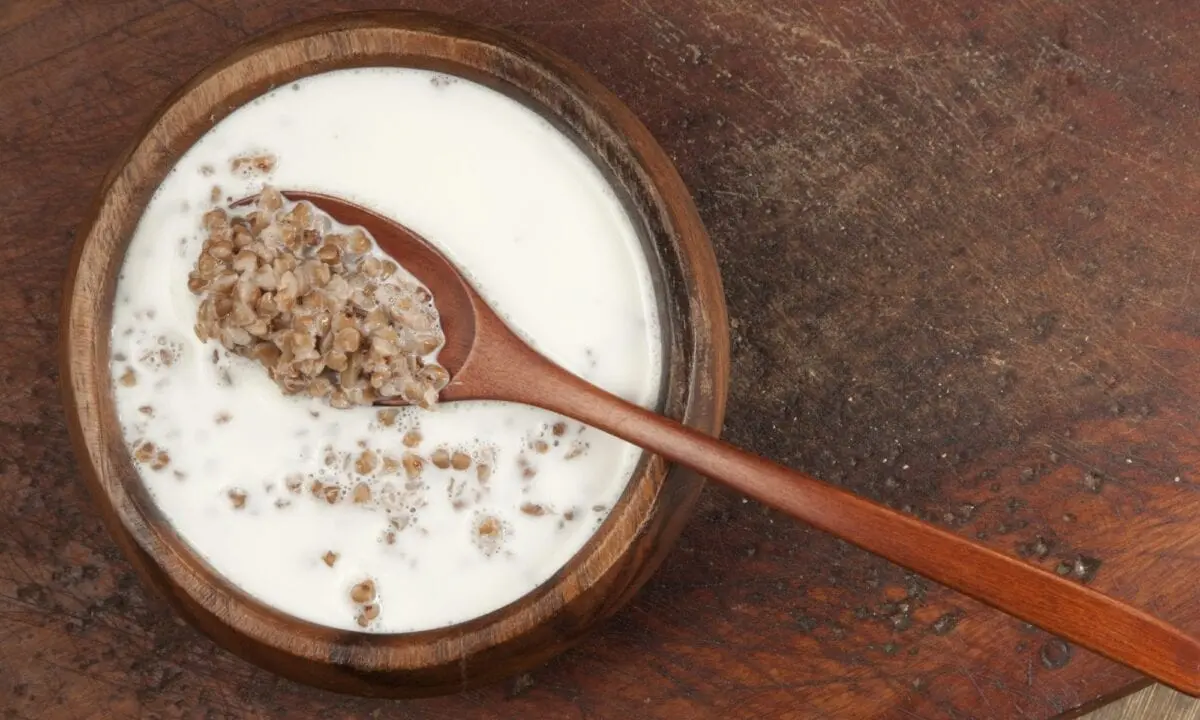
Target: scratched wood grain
959	247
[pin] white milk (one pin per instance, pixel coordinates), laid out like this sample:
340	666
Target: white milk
543	237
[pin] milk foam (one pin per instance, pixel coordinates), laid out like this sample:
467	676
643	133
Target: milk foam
542	236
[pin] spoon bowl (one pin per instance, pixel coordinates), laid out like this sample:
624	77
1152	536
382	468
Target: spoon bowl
485	358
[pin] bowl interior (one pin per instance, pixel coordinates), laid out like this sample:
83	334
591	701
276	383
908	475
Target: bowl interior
639	529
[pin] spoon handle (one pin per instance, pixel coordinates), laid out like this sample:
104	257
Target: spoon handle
1072	611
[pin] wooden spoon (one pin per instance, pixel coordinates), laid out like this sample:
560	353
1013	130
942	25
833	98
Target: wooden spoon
487	361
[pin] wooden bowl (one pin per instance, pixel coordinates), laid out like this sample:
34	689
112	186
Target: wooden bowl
641	528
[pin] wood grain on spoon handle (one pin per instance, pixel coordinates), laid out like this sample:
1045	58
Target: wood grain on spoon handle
1074	612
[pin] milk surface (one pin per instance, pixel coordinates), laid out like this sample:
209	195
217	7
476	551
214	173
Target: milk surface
538	231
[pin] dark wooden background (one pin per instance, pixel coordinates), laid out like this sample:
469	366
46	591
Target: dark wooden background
959	246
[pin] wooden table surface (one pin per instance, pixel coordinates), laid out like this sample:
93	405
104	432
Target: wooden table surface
959	246
1156	702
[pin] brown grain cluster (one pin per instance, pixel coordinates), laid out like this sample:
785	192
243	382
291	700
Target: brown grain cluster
363	595
316	305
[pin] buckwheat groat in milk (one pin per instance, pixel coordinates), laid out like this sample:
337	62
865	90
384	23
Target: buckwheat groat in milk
350	516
